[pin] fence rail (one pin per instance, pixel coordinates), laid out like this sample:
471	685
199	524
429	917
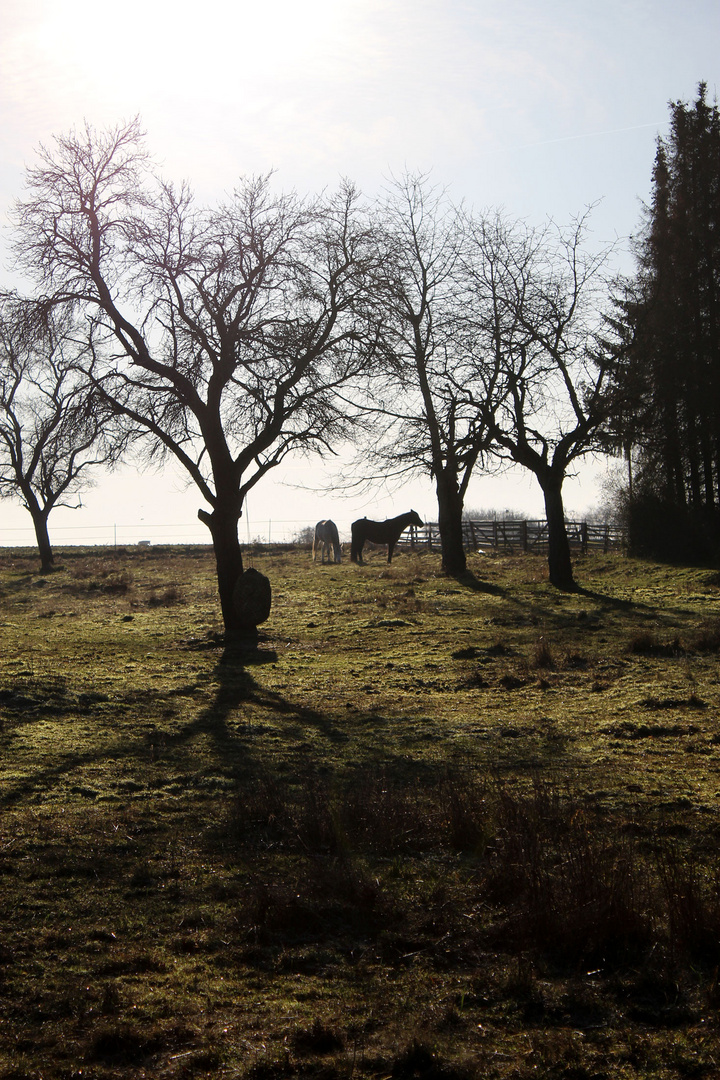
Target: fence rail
511	535
497	534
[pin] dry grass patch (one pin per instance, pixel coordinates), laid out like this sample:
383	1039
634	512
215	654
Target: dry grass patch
432	828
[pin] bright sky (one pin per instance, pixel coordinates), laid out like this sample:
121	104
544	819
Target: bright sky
542	108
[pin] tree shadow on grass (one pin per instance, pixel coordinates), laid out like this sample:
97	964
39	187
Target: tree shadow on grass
641	608
611	601
237	686
468	579
544	607
234	741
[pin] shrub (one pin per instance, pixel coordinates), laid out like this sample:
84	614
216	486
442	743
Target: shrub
171	595
645	643
542	655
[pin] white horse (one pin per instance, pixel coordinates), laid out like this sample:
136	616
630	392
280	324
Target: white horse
326	533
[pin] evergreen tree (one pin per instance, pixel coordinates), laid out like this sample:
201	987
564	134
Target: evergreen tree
670	314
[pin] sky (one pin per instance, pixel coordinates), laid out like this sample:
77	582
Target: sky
542	109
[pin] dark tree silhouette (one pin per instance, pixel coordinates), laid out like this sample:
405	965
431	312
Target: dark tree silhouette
225	333
54	428
669	314
424	423
537	372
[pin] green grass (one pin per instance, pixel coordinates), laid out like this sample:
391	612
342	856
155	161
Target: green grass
431	828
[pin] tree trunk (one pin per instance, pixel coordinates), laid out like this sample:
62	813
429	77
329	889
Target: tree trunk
450	508
228	560
47	558
672	457
39	515
559	562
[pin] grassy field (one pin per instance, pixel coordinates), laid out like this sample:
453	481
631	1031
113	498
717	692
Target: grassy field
432	828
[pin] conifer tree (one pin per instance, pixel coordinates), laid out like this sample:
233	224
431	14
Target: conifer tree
671	314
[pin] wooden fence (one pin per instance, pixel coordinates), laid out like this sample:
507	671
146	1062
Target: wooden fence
514	536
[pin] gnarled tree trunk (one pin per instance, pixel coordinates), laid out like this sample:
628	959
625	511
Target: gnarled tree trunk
228	560
39	515
559	561
47	558
450	508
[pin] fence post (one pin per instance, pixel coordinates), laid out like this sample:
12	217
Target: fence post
473	541
525	535
584	537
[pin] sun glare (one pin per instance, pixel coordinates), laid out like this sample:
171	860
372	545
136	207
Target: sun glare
183	50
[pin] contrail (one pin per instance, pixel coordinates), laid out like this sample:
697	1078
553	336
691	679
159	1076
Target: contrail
585	135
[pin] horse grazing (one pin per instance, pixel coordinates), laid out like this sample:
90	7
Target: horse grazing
380	532
326	533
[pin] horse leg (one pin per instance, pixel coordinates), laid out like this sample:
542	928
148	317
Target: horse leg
391	547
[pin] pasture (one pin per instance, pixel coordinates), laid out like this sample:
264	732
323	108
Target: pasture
432	828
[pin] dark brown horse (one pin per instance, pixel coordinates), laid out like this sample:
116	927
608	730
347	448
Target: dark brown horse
380	532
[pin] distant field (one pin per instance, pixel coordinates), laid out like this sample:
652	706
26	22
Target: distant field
433	828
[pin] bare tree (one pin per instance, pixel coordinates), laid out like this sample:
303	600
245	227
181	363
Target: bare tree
234	327
54	429
537	317
425	423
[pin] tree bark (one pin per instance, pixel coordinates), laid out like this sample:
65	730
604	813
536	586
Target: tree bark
559	561
39	515
450	508
47	558
228	560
